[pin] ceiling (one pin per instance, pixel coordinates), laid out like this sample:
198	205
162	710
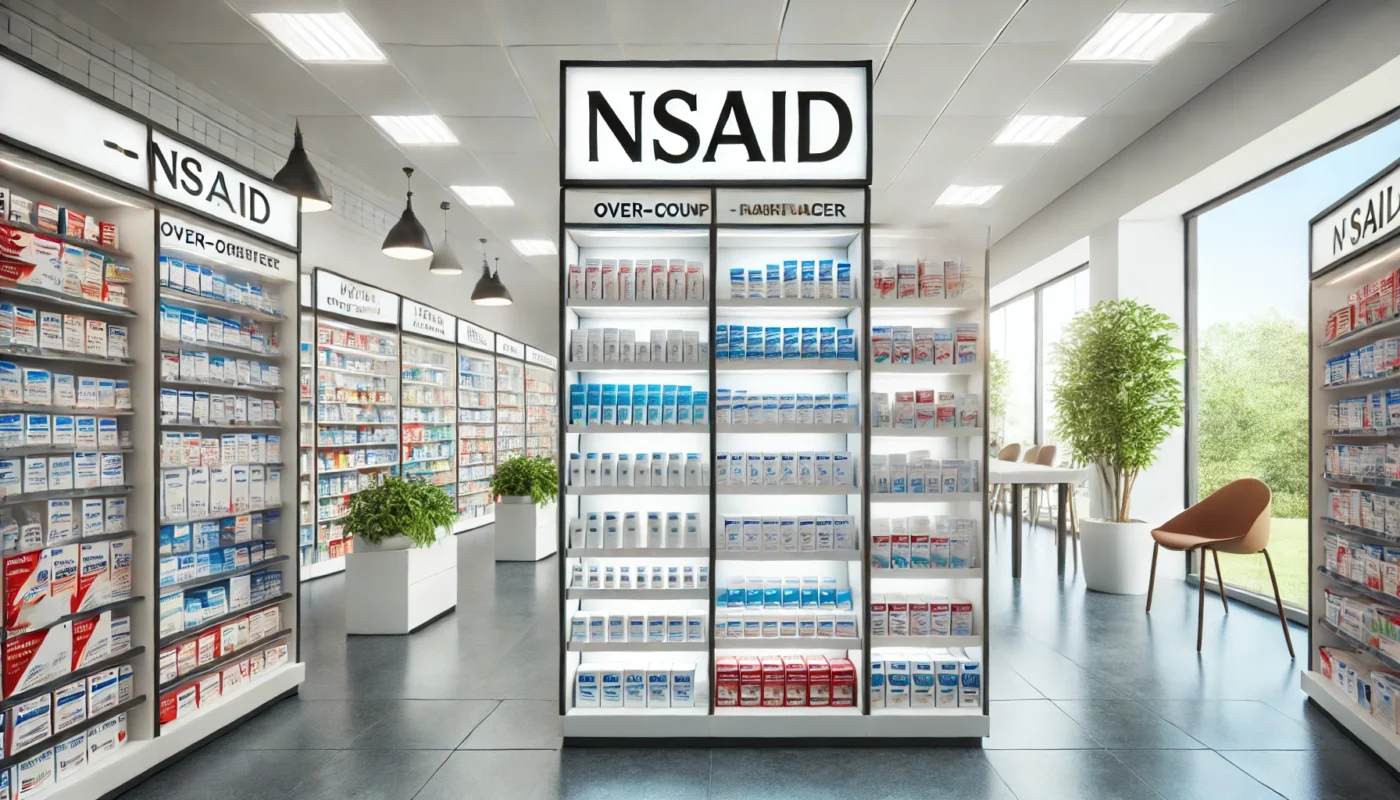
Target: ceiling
950	74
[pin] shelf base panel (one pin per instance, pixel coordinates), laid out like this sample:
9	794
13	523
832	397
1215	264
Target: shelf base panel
798	729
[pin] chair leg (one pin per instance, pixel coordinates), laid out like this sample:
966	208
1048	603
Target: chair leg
1220	580
1201	603
1151	576
1074	529
1278	600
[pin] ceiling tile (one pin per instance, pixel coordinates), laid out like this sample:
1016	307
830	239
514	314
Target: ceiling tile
875	53
710	22
951	143
371	88
1066	21
348	140
538	68
956	21
1174	6
841	21
463	81
1081	89
448	166
260	74
920	79
501	134
185	22
577	22
699	52
1006	77
999	166
431	22
1254	20
1191	68
895	141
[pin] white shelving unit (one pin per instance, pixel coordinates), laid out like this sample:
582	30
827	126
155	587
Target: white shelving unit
476	425
428	367
1346	297
510	398
541	403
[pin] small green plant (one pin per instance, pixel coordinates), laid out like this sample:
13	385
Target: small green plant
397	506
1117	396
522	476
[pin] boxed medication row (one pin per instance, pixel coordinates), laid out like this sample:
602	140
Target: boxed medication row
34	658
194	327
920	615
1364	619
61	521
1375	360
791	592
591	575
655	685
53	332
1365	682
611	530
58	220
196	492
926	408
826	468
1363	509
656	469
624	346
30	474
739	407
654	626
214	283
792	279
921	280
918	543
784	681
327	460
1371	303
173	569
187	407
637	404
183	610
916	473
780	623
939	678
44	585
335	335
777	343
56	767
1375	566
370	434
61	431
902	344
1374	410
1362	461
190	449
179	660
640	280
65	268
203	367
197	695
40	387
804	534
35	719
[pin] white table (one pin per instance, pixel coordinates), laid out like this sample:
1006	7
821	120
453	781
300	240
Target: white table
1018	475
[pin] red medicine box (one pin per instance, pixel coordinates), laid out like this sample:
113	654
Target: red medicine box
818	681
772	681
843	682
750	681
726	681
795	680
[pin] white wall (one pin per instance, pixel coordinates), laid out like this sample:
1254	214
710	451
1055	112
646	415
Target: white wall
1292	94
328	241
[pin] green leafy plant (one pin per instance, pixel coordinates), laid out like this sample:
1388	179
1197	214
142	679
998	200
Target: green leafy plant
397	506
522	476
998	378
1117	395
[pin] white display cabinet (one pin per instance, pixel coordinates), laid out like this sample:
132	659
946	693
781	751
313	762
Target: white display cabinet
428	406
510	398
1354	485
541	403
476	425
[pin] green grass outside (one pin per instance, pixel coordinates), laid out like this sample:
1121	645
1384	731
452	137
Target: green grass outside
1288	545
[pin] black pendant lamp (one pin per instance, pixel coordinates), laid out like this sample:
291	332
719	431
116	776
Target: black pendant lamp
445	261
299	178
408	239
489	290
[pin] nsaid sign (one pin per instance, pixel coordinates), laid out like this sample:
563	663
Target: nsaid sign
784	122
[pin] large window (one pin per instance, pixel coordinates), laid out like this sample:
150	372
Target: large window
1024	332
1251	346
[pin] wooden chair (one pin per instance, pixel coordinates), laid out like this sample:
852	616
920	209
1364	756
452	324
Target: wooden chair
1011	452
1045	456
1233	519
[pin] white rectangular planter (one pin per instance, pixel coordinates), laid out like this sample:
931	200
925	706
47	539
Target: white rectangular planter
524	531
398	591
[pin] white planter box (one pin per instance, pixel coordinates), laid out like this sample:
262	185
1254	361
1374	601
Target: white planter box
399	591
524	531
1117	555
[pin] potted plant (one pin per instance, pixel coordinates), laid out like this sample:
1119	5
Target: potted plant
1117	398
399	514
524	489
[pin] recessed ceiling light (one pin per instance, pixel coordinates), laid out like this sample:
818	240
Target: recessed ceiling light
483	195
534	247
1138	37
956	195
421	129
1024	129
322	37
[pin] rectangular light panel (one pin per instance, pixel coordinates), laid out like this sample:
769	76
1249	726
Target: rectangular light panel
483	195
533	247
322	37
956	195
1139	37
1032	129
422	129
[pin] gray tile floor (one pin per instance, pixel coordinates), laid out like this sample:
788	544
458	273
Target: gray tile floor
1090	698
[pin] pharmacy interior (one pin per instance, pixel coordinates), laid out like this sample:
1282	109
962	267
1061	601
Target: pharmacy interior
771	474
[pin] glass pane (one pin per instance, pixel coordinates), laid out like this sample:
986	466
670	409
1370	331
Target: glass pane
1014	341
1252	306
1059	302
